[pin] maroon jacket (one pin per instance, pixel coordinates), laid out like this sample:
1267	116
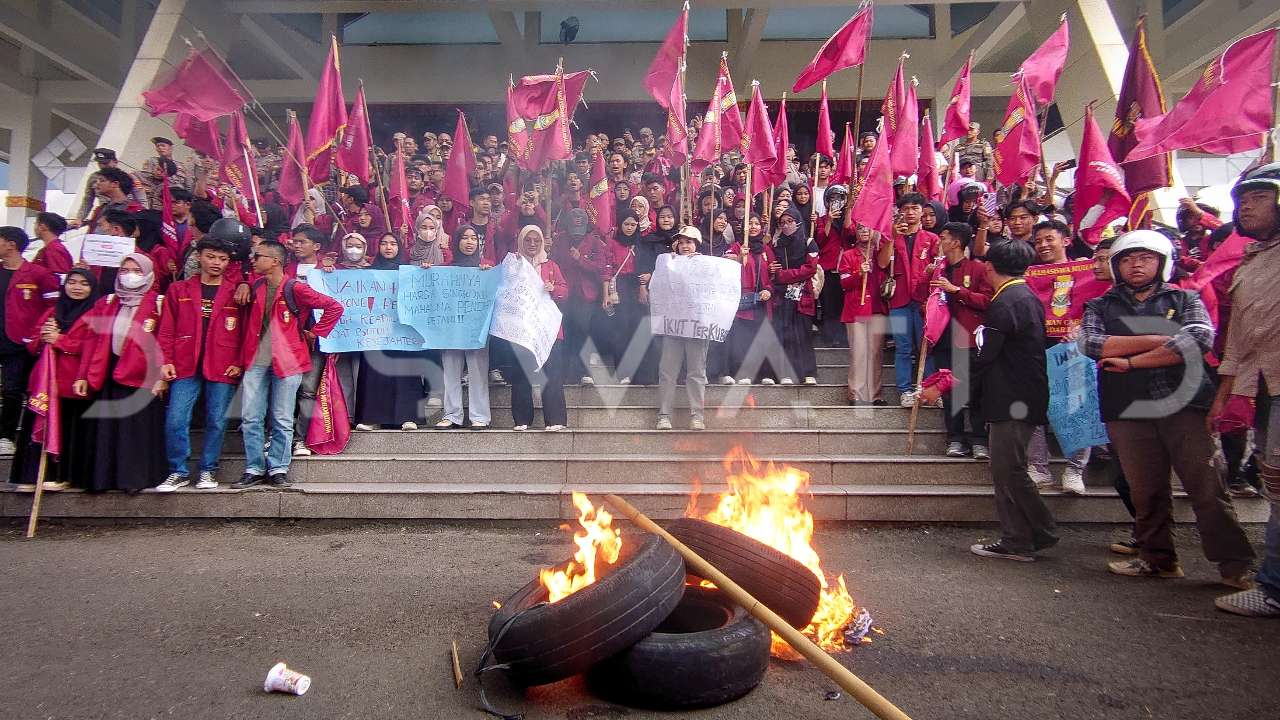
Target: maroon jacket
582	274
68	351
968	305
180	327
55	257
910	271
290	353
32	290
139	363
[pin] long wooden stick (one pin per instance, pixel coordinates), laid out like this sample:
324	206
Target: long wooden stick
35	502
377	166
915	409
842	676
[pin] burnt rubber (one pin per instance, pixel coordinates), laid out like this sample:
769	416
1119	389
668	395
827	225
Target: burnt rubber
555	641
709	651
784	585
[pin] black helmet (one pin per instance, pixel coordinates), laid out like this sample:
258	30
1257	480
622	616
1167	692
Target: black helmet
836	197
234	235
1266	177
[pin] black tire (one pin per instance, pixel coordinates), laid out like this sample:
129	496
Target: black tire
784	585
559	640
709	651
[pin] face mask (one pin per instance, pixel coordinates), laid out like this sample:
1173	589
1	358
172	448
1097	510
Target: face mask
132	281
354	253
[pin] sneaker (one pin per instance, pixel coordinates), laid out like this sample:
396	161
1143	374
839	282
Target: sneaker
744	381
996	550
1125	547
55	486
625	381
479	426
435	401
554	428
728	380
520	428
1243	581
25	487
173	482
1043	480
767	381
1073	481
980	452
1137	567
300	449
410	425
207	481
446	425
587	380
7	447
1242	490
908	399
362	427
1249	603
697	424
936	404
956	450
786	381
495	376
246	481
279	480
810	380
664	423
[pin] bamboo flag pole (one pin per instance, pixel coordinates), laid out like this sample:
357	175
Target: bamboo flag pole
746	216
915	407
855	686
377	167
44	455
857	113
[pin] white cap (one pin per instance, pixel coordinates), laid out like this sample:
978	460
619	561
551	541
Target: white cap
691	232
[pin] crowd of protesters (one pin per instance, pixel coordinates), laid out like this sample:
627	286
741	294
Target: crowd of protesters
191	315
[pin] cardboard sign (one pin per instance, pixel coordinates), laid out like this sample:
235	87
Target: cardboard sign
450	307
105	250
694	296
524	313
1073	399
1063	289
369	317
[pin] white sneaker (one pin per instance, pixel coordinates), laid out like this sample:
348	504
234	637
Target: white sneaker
520	428
434	401
173	482
744	381
587	380
1043	480
496	377
908	399
555	428
697	424
767	381
727	380
362	427
410	425
1073	481
207	481
625	381
787	381
664	423
810	380
7	447
300	449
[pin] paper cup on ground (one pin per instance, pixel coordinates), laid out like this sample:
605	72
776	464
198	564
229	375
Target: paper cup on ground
282	679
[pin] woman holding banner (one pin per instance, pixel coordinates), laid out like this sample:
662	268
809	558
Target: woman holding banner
389	388
532	248
466	244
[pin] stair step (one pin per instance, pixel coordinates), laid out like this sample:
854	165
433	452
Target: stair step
835	393
759	417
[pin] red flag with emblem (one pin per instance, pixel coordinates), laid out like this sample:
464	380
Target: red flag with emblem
330	427
43	402
328	118
677	125
956	122
1042	68
460	166
826	138
757	141
1140	97
722	125
927	181
874	205
1017	155
902	122
353	151
601	203
237	166
546	104
846	48
197	88
201	136
845	165
1100	192
293	183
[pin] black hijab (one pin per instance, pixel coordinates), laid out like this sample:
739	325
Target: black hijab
940	217
386	263
461	259
793	249
67	310
756	242
805	209
626	240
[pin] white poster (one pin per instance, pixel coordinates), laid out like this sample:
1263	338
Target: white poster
524	313
694	296
105	250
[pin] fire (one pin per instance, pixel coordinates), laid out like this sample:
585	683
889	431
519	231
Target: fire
764	504
599	544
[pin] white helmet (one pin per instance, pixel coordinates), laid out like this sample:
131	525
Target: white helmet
1149	240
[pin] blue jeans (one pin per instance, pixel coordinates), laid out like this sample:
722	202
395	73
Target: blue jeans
261	386
906	324
177	422
1267	439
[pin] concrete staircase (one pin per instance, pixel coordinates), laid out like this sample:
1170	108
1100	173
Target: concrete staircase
855	457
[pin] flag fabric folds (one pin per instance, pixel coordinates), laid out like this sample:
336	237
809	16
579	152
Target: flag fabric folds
199	135
927	180
677	124
846	48
461	165
545	105
401	220
237	166
1042	68
293	184
43	402
328	118
664	71
1017	155
758	149
353	150
775	173
197	88
826	138
601	203
1100	188
168	226
722	125
1140	97
901	115
845	166
874	205
936	313
955	124
330	427
1227	111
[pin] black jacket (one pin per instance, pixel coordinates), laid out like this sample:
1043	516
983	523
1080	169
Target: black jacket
1010	381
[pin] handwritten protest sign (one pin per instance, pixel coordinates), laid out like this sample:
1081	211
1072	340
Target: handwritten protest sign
1063	289
369	318
105	250
694	296
524	313
1073	399
450	307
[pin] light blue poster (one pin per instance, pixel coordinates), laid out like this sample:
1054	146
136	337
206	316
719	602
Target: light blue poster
369	317
1073	399
450	307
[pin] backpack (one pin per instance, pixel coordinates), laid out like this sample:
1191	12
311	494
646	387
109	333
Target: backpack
290	301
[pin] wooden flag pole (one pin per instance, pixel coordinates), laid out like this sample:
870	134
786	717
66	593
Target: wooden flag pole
746	216
377	167
857	116
44	454
915	407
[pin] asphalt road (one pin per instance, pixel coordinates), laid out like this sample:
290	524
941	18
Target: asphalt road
183	620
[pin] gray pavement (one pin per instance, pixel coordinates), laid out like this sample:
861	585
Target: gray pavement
182	620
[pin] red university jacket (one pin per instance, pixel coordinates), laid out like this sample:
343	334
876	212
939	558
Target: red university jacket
32	290
139	362
68	351
290	354
180	328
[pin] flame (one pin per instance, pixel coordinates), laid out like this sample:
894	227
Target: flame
598	541
764	504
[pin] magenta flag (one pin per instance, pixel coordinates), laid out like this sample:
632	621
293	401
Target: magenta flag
873	206
927	181
199	135
168	226
955	124
1228	110
902	123
601	203
757	141
845	166
545	104
328	118
1100	193
1043	67
722	125
677	124
353	150
197	87
848	47
43	402
461	165
776	173
401	220
664	71
826	138
1223	259
330	427
936	313
1140	97
237	166
293	184
1018	154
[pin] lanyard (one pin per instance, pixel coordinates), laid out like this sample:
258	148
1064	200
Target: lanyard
1011	283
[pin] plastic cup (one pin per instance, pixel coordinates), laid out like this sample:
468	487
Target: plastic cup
282	679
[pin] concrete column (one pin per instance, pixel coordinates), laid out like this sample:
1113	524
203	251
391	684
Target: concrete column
29	120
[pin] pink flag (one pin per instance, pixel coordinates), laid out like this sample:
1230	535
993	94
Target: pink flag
776	173
330	427
846	48
1042	68
353	151
936	313
602	204
1140	97
845	166
757	141
826	138
168	227
43	401
197	88
1100	193
722	126
1225	258
401	220
292	187
237	166
546	104
664	71
328	118
927	180
677	125
902	123
201	136
1017	155
460	166
956	122
874	205
1228	110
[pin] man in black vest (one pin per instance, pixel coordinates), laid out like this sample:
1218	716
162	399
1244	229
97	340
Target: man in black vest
1149	339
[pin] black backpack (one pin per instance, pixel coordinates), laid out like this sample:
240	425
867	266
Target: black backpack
290	301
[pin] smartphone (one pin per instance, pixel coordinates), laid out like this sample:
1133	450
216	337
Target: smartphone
1069	164
990	204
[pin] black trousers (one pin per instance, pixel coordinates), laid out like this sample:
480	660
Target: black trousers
831	301
962	425
15	370
522	376
577	330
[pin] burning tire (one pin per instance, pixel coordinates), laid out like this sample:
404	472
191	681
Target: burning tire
775	579
550	642
707	652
